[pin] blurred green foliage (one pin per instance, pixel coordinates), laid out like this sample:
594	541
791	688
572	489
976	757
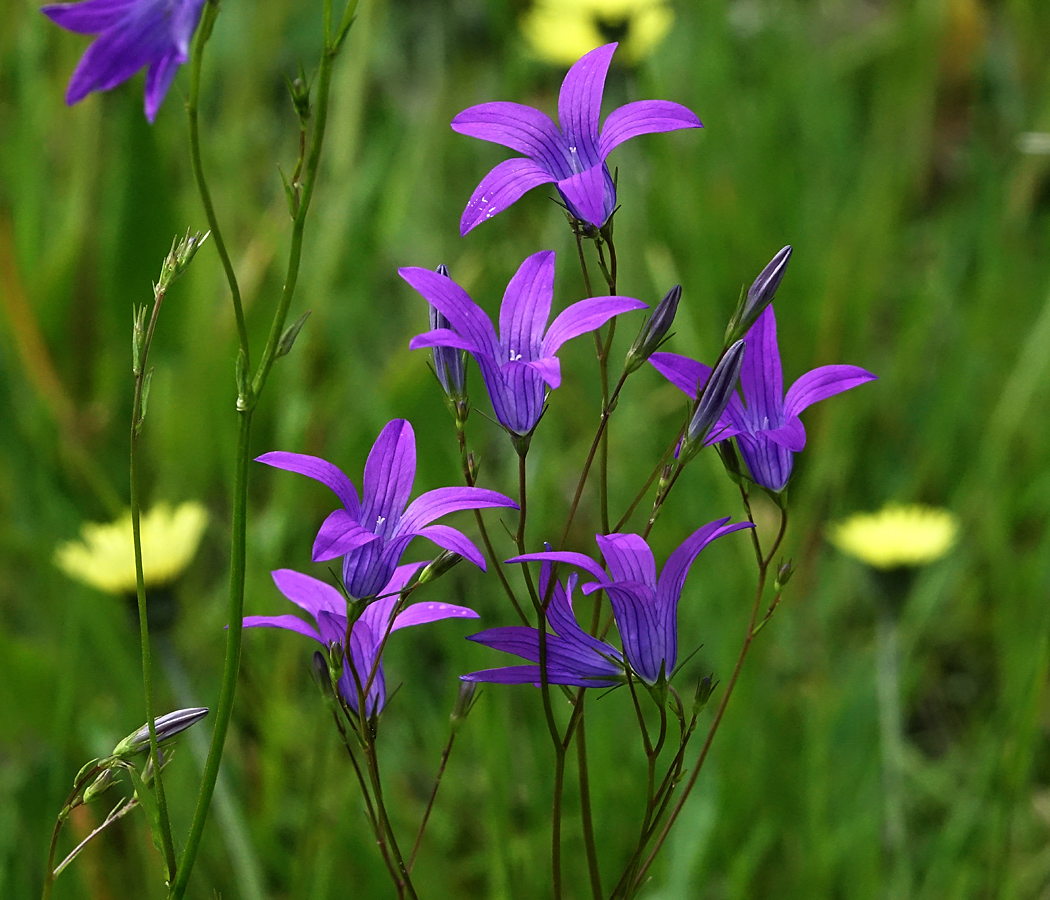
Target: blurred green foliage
881	139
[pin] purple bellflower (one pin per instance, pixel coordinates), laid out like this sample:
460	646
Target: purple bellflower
132	34
327	606
646	608
371	534
766	424
520	363
572	156
573	656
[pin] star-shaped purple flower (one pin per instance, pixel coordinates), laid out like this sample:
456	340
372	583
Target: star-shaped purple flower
132	34
518	364
573	656
646	608
328	608
573	156
371	534
766	424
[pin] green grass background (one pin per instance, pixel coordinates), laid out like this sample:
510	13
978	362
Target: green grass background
879	138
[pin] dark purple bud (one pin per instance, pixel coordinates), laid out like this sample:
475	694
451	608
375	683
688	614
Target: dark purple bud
704	688
715	398
324	679
758	296
654	331
448	361
168	726
731	460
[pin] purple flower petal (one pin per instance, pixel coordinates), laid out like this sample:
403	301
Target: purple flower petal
339	534
89	17
761	380
389	473
579	560
517	394
684	373
585	316
672	580
526	307
442	501
644	117
308	593
503	185
636	618
440	337
769	463
421	613
531	675
452	301
792	435
159	77
402	576
548	368
821	383
368	569
519	127
586	196
449	539
320	470
580	105
287	622
629	558
117	54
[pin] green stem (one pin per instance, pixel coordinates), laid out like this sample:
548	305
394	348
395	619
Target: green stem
430	802
211	11
224	710
585	805
372	760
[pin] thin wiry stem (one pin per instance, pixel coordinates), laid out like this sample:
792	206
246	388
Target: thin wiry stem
211	12
141	370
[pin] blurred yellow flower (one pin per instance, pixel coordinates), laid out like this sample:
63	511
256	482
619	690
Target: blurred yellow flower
897	536
561	31
105	556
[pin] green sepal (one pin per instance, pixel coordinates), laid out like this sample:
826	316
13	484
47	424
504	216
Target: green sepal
287	341
148	802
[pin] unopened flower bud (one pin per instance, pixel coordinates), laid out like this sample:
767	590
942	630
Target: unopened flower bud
464	704
715	398
727	452
784	574
758	296
324	679
448	361
179	257
99	786
168	726
654	332
439	566
704	688
299	90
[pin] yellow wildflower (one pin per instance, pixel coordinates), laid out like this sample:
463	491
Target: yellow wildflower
897	536
561	31
105	556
